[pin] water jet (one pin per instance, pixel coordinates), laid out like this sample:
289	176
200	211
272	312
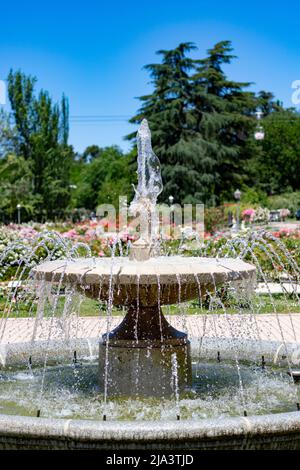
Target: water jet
150	381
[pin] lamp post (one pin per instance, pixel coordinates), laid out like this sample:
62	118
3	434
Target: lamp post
19	213
259	134
237	196
171	200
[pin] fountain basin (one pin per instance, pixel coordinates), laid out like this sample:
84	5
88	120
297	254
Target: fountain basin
144	339
163	280
267	432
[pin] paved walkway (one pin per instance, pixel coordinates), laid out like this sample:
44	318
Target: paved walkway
264	327
276	288
291	225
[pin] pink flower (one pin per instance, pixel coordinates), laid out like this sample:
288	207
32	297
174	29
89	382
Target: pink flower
70	234
248	214
276	234
112	240
28	232
90	233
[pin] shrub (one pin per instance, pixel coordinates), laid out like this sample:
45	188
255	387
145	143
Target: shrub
290	201
214	219
261	216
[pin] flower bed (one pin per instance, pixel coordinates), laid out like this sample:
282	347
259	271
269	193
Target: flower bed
22	247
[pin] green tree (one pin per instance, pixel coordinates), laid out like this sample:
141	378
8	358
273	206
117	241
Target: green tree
167	110
267	104
9	139
223	113
42	128
15	188
92	151
103	179
277	167
200	123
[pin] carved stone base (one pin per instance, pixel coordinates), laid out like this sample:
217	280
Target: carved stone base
147	324
138	355
144	371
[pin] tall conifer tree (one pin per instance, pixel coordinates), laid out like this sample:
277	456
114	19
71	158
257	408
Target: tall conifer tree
200	123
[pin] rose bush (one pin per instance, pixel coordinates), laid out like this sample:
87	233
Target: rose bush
22	247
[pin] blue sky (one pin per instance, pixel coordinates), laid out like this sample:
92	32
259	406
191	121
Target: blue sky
94	51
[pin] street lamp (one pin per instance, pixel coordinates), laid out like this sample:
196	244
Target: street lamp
237	196
259	134
19	213
171	200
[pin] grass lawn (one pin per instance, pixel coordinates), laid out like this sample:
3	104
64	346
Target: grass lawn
89	307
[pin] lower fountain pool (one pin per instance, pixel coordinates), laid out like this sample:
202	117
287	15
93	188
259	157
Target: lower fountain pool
72	391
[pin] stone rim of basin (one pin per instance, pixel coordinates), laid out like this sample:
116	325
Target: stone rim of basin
163	269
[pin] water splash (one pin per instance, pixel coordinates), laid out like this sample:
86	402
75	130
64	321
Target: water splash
149	171
146	193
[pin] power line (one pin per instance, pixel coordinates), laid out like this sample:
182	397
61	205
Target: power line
116	117
99	121
99	115
95	118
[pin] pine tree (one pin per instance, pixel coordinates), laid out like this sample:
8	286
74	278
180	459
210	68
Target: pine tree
267	104
200	123
224	120
167	110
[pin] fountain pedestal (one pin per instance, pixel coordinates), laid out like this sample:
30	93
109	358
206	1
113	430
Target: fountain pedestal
139	355
145	355
144	338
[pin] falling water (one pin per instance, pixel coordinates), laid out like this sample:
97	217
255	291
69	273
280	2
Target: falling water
174	383
230	307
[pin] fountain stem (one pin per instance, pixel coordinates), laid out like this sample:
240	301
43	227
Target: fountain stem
144	203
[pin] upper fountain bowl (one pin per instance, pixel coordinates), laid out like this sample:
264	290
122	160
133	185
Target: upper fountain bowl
160	280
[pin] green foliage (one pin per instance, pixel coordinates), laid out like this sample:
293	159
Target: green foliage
200	123
289	201
41	127
266	103
15	187
166	111
277	166
107	176
225	122
9	142
214	219
202	127
254	197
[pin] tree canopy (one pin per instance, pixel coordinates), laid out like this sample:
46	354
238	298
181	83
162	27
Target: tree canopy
200	122
38	137
103	178
202	125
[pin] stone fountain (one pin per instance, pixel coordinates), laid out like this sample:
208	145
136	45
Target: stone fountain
61	389
145	343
